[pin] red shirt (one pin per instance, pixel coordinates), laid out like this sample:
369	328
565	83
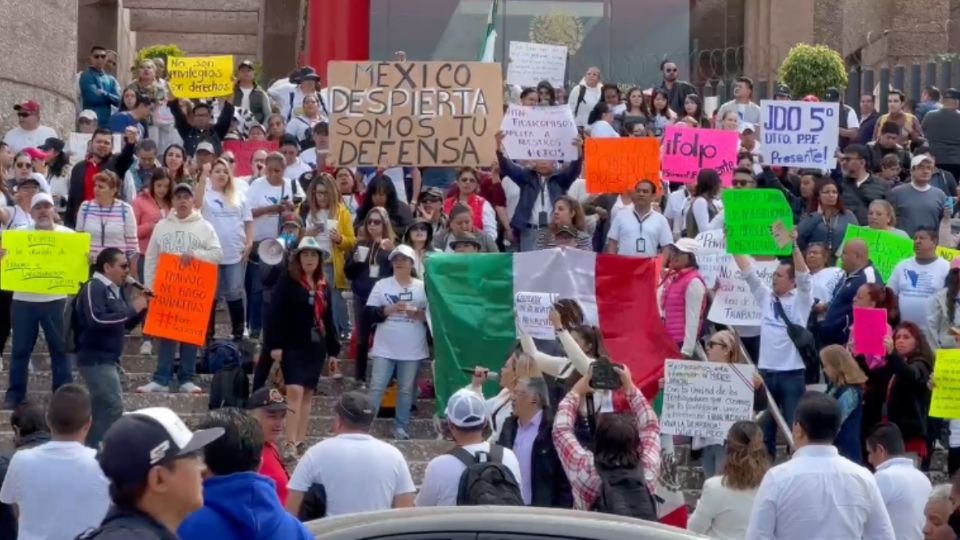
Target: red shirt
271	466
92	170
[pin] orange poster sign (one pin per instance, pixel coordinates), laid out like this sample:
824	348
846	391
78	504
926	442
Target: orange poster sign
183	296
616	165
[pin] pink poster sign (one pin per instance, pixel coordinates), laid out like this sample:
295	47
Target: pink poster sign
686	150
869	329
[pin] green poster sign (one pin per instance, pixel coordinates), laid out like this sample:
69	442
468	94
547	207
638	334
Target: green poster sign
749	216
885	249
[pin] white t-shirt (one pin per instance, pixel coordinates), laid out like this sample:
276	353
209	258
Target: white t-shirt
643	240
358	472
19	218
58	488
19	138
260	194
915	284
31	297
296	170
319	220
512	192
399	337
676	210
824	282
441	480
228	222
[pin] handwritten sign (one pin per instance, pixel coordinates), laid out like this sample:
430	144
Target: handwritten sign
540	133
180	309
749	215
712	257
200	76
869	329
79	143
945	402
947	254
703	399
733	302
44	262
531	63
414	114
533	310
799	134
885	249
616	165
243	152
686	151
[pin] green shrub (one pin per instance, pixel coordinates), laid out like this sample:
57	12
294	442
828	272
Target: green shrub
811	69
156	51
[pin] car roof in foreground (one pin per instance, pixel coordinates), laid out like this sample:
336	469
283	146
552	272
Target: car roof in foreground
497	519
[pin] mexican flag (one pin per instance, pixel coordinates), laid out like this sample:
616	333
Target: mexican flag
471	299
489	35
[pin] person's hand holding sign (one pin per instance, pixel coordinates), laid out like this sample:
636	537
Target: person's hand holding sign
130	135
554	318
186	258
499	136
781	235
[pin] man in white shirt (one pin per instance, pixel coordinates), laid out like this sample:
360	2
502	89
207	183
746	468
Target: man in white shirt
818	494
290	148
641	232
358	472
316	156
904	488
747	110
466	417
29	133
676	210
780	363
918	279
58	487
35	311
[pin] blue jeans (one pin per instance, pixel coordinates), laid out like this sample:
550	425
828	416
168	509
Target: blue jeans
786	387
383	370
528	239
166	350
230	282
106	401
338	305
254	287
29	318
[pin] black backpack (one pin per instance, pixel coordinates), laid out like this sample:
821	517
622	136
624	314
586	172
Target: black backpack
486	480
624	493
229	387
805	343
71	322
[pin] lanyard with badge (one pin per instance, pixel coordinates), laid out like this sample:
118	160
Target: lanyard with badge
543	218
373	262
641	241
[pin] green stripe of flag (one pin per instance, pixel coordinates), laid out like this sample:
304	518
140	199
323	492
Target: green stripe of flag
489	42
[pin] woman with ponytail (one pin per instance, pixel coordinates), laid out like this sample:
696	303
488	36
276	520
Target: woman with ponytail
726	501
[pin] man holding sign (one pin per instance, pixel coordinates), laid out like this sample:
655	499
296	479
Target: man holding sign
34	311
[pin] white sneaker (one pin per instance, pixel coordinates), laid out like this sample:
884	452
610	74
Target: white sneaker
146	348
190	388
152	388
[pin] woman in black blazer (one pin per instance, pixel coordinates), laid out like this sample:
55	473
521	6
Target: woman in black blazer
301	334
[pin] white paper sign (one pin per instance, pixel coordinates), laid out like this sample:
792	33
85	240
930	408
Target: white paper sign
531	63
799	134
734	303
703	399
533	311
711	255
78	143
539	133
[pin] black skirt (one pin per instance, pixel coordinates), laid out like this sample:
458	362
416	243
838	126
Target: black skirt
303	366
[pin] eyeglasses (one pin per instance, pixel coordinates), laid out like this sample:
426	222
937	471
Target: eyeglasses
22	165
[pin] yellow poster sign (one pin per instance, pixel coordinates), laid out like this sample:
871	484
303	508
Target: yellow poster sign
44	262
947	254
945	402
200	76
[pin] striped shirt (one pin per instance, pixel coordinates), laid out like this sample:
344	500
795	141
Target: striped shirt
109	226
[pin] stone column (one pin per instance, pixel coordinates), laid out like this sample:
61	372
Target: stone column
41	43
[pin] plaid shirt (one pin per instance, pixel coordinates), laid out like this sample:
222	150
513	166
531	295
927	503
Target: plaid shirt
578	461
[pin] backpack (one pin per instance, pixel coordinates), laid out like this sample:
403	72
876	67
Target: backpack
624	493
582	98
805	343
71	323
486	480
229	387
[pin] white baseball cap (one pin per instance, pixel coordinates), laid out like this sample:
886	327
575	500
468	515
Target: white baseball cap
40	197
917	160
87	114
466	409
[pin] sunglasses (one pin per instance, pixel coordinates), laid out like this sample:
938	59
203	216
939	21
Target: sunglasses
375	222
22	165
671	70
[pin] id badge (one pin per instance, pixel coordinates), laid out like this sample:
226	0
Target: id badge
641	245
406	296
374	271
543	220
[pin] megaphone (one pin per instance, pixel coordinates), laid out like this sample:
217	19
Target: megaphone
271	251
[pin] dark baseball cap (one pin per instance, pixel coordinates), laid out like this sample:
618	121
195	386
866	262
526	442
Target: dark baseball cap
52	143
431	192
832	95
951	93
465	238
246	64
355	408
567	230
143	439
268	399
782	91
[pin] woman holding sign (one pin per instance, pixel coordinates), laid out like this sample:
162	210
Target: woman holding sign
908	395
828	219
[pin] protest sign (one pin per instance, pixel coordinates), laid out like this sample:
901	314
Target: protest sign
540	133
712	256
799	134
183	296
945	402
79	143
531	63
412	114
749	216
884	248
243	153
44	262
200	76
686	151
947	254
616	165
869	329
733	302
533	310
703	399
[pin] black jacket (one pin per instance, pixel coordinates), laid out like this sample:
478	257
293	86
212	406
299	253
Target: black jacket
909	396
118	163
8	520
102	320
192	136
858	199
359	272
129	524
550	486
291	319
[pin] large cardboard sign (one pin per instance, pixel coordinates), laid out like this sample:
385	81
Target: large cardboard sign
703	399
686	151
540	133
201	76
45	262
183	296
799	134
616	165
414	114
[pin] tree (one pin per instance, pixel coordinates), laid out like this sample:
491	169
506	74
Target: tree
811	69
156	51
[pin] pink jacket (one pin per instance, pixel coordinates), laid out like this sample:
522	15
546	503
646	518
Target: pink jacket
148	213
